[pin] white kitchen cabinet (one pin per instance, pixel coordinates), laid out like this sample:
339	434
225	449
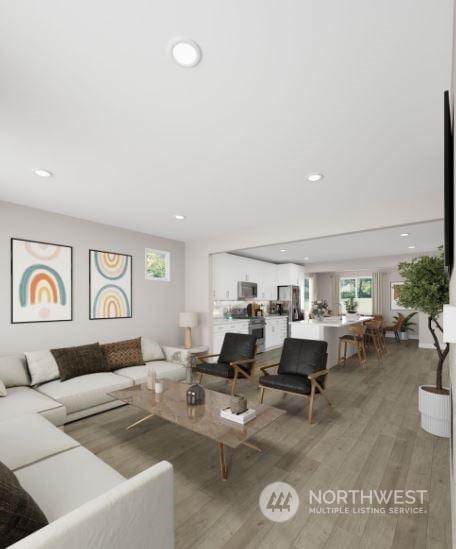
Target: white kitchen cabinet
224	277
290	274
229	269
222	328
276	332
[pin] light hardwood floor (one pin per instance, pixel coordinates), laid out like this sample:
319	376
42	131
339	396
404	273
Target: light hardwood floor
370	438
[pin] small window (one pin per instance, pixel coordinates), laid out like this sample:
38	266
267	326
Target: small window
157	265
360	289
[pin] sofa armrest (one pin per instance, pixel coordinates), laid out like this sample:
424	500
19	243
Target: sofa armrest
178	355
137	513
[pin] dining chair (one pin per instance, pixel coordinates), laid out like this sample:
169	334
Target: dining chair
355	338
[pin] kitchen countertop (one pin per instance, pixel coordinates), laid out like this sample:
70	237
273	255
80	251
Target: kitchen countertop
223	320
332	322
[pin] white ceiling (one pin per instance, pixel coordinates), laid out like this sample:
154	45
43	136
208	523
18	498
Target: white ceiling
426	237
352	90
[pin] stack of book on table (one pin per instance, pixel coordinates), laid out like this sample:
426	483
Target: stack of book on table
241	418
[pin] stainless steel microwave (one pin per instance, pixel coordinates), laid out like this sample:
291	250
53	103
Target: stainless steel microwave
247	290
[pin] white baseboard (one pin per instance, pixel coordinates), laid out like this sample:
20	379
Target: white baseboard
429	346
391	334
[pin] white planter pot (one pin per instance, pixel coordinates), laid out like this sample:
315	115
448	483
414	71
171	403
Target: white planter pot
351	316
435	412
403	336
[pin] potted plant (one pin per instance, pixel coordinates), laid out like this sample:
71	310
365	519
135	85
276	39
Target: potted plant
426	289
351	306
320	308
407	324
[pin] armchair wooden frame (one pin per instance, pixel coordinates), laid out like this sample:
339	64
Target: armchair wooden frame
316	388
236	365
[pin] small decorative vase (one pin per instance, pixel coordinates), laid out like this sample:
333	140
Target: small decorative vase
238	404
195	395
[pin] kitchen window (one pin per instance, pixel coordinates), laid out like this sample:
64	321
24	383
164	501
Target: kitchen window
358	287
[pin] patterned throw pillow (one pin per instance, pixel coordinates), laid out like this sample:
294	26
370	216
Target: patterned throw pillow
122	354
20	516
80	361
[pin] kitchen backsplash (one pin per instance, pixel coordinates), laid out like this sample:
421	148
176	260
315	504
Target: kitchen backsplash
222	308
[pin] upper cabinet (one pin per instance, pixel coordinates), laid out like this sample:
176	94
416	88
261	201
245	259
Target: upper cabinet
290	274
229	269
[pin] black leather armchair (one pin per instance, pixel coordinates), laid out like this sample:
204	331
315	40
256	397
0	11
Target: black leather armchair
236	359
301	370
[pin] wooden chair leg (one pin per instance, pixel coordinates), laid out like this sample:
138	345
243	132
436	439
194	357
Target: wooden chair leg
339	354
233	385
345	352
311	403
261	394
201	378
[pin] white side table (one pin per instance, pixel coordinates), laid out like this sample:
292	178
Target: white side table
194	352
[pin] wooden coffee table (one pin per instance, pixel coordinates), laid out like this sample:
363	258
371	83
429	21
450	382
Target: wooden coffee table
204	419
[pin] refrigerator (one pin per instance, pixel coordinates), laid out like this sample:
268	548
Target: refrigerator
290	299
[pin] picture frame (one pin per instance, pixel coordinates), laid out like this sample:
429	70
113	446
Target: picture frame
110	285
395	293
157	265
41	281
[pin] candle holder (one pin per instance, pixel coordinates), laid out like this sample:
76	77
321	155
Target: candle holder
195	395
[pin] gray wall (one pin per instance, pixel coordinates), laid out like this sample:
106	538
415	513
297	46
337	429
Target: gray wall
155	304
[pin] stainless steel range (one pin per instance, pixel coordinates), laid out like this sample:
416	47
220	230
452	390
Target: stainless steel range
257	326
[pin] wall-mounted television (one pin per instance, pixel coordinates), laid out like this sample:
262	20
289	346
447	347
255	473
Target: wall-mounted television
448	182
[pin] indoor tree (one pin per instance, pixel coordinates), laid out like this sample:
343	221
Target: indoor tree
426	289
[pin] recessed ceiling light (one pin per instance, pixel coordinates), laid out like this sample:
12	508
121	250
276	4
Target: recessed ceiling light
186	53
179	217
411	247
314	177
404	234
306	259
283	250
43	173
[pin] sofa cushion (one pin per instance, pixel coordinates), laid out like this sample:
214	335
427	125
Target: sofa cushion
25	400
84	392
162	369
79	361
20	516
14	371
28	438
178	355
2	389
122	354
42	366
71	478
151	350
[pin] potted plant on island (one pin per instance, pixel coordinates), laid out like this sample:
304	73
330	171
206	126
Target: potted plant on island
426	289
351	306
320	308
406	325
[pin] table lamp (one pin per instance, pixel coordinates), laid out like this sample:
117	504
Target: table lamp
188	321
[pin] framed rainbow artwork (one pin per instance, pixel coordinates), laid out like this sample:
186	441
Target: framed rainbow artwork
41	282
110	285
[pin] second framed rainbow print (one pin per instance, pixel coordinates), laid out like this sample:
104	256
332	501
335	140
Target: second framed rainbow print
110	285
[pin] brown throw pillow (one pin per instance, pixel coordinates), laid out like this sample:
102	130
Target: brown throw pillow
79	361
20	516
122	354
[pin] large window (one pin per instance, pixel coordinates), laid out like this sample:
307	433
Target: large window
360	289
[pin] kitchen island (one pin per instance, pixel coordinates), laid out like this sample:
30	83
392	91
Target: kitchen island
329	329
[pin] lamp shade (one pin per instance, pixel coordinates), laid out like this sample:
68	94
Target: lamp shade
188	320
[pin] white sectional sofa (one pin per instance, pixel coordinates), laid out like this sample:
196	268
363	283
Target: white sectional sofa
62	402
87	503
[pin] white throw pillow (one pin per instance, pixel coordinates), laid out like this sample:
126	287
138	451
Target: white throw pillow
42	366
2	389
151	350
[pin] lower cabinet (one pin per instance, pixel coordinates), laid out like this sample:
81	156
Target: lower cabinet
276	332
219	331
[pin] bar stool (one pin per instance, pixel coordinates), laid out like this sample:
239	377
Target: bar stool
374	334
355	338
